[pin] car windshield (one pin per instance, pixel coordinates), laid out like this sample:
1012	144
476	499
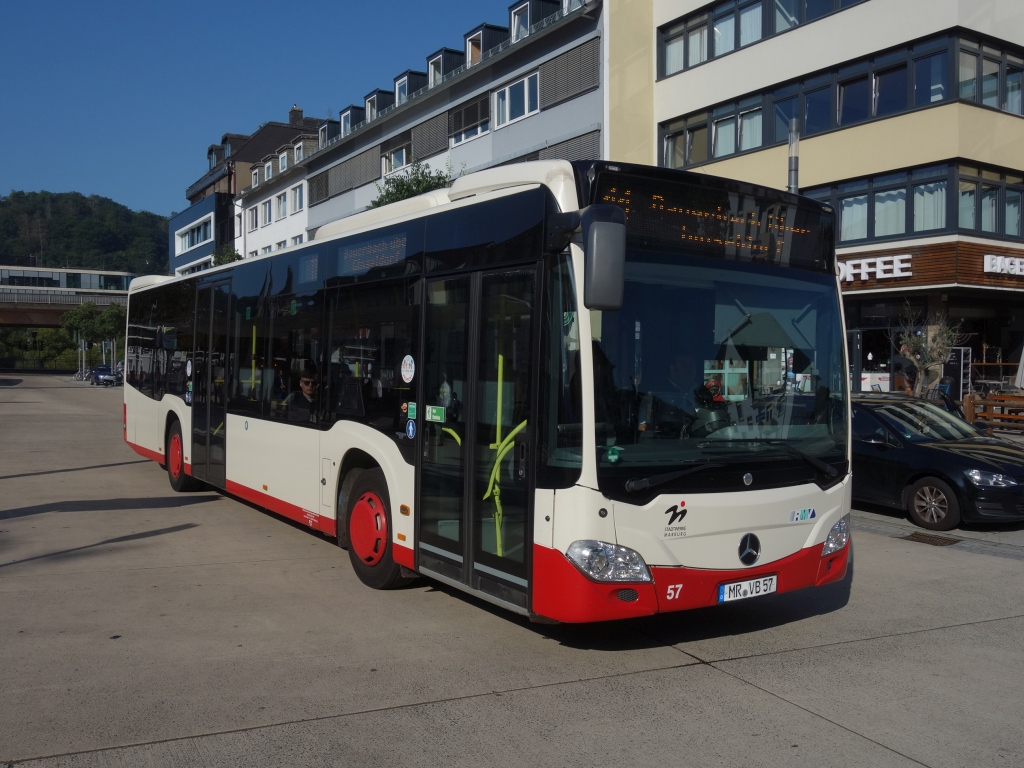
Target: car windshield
717	362
921	421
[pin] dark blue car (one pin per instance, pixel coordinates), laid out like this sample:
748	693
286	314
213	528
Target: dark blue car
913	455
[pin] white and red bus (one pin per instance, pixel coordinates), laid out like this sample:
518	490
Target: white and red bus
581	391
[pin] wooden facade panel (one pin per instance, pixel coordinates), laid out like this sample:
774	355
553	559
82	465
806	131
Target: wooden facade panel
962	263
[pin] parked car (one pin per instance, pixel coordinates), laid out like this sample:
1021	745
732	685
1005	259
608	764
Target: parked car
96	371
913	455
109	378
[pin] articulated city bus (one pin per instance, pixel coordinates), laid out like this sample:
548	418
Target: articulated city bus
580	391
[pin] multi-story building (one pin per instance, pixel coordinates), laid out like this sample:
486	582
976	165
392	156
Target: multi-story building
270	214
530	90
209	223
911	127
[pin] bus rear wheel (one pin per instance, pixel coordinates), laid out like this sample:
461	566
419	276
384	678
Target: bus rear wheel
369	532
175	453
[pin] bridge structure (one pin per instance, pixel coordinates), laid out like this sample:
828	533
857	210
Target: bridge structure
38	298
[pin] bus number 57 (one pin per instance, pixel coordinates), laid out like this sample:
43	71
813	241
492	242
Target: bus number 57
674	590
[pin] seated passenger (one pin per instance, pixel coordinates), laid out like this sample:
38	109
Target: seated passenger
302	404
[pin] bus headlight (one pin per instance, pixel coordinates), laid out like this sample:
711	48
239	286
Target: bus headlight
838	537
602	561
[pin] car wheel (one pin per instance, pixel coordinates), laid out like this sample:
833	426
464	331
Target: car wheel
369	532
175	453
932	504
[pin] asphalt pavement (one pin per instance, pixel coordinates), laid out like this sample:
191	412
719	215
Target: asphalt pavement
146	628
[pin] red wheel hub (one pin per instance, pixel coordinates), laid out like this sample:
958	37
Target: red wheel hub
368	528
174	456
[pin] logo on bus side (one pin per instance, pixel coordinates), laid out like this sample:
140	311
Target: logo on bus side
676	512
802	515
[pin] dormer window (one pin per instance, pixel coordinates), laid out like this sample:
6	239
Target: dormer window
402	90
268	170
213	161
323	136
434	74
571	5
282	162
346	124
255	178
298	152
520	22
371	108
474	47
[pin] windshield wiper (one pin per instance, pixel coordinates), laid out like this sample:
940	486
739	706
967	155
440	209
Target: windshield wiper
642	483
814	461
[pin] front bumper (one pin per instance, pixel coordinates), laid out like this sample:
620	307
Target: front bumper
995	504
562	593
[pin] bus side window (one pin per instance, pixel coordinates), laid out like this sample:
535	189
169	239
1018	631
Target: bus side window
294	357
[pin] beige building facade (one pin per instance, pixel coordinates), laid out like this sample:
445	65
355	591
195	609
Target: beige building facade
911	120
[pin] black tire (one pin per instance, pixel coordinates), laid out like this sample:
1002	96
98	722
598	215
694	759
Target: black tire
932	504
368	523
174	456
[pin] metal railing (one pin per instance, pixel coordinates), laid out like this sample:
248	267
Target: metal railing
67	299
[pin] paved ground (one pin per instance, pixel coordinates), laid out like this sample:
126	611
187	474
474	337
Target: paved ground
143	627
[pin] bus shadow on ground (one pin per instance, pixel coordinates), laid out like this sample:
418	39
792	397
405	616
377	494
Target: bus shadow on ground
667	629
106	505
75	552
10	382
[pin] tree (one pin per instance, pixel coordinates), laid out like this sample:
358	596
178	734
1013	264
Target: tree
83	321
225	255
926	349
412	181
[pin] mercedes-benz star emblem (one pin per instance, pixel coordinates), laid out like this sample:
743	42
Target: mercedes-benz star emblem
748	479
750	549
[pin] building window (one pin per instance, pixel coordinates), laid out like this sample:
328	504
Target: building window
474	49
394	160
471	133
715	31
520	22
254	219
402	91
282	162
268	170
346	124
282	245
282	205
298	152
322	136
371	108
195	235
267	212
238	225
297	240
434	72
990	76
266	249
889	83
517	100
255	178
253	254
297	201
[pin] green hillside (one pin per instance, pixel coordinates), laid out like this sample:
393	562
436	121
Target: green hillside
68	229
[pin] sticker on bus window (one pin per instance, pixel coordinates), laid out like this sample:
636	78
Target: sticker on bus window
410	429
412	410
188	368
408	368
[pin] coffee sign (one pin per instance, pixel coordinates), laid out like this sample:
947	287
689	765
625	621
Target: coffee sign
880	268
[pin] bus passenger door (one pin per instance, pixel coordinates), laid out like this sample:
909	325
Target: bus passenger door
209	397
475	459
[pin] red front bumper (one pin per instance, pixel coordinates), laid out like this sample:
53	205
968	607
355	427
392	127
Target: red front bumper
561	592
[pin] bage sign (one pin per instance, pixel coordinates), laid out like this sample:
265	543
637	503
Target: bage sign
1004	265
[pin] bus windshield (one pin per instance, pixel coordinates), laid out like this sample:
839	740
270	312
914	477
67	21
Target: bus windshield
721	363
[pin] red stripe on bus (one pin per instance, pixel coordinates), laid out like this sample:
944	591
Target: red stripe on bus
312	519
146	453
563	593
403	556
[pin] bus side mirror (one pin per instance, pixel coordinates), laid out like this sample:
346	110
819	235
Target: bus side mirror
604	245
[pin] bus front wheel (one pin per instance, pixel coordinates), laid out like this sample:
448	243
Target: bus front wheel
175	453
369	532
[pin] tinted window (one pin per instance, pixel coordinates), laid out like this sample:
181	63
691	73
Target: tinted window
865	426
818	116
291	382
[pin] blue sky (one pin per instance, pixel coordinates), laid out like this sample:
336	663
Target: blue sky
122	99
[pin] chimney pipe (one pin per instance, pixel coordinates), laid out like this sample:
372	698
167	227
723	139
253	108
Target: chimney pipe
294	115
